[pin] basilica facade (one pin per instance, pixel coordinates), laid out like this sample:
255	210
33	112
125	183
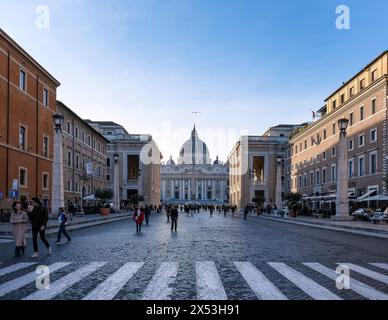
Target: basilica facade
194	178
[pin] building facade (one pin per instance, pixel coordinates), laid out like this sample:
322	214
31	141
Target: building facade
139	161
84	157
27	103
256	163
194	178
312	152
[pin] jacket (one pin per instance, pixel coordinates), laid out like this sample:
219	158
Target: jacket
174	214
39	216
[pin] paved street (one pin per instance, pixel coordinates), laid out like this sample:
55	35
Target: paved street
208	258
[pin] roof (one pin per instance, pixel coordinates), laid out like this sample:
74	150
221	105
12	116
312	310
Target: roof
104	123
355	76
27	56
62	105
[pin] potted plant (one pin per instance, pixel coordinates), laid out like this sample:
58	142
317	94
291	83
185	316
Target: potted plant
105	195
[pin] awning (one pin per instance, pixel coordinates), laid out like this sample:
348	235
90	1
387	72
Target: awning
90	197
380	197
366	195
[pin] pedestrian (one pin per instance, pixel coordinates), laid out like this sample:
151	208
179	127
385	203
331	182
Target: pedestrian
246	210
147	213
138	217
168	211
62	220
71	210
174	219
39	218
19	219
211	210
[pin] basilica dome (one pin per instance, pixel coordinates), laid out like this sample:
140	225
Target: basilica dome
194	151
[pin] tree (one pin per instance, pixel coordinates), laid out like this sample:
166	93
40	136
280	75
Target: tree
292	198
104	195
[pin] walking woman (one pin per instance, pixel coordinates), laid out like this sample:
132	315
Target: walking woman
19	219
138	217
62	220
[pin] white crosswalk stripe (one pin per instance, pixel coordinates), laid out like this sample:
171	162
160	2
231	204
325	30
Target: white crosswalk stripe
380	265
159	287
108	289
209	284
361	288
310	287
22	281
64	283
366	272
15	267
260	285
5	241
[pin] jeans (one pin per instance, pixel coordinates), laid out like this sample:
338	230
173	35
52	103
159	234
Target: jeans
62	229
138	227
174	223
35	231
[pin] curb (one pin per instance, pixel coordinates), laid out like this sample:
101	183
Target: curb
53	229
348	229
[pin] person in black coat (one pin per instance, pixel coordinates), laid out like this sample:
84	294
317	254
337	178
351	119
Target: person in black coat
174	218
39	217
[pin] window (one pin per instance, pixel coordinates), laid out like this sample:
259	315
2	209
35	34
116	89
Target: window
362	84
89	141
45	97
103	149
362	113
361	140
333	151
83	136
351	144
334	127
68	185
83	163
99	171
69	159
342	98
45	181
324	134
94	143
373	163
22	80
77	161
300	181
311	178
23	177
334	104
76	132
305	144
351	92
324	155
99	147
76	187
305	180
351	168
296	149
108	162
351	119
68	127
108	177
373	135
318	177
374	75
361	166
333	172
324	175
45	146
374	106
22	138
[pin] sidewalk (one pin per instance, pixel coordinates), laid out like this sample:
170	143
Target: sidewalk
78	222
355	227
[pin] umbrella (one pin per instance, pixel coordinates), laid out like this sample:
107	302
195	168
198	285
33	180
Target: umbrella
90	197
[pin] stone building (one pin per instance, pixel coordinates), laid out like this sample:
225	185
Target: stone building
194	178
312	152
84	157
27	103
138	162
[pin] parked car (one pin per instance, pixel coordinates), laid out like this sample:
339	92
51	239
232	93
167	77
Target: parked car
363	214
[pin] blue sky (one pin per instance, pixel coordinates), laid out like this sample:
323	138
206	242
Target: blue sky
244	64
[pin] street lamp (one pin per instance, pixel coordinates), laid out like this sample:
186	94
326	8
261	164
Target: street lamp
58	193
342	199
116	186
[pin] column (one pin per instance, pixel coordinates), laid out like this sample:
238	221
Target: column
58	193
279	203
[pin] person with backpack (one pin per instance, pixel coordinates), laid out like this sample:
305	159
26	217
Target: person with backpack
174	218
39	217
62	220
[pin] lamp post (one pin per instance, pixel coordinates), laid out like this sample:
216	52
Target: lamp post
279	203
58	194
116	181
342	200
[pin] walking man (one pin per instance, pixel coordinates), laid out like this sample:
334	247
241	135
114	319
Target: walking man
246	210
174	219
39	218
147	213
62	220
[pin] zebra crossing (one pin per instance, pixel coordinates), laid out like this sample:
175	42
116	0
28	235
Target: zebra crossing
209	284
